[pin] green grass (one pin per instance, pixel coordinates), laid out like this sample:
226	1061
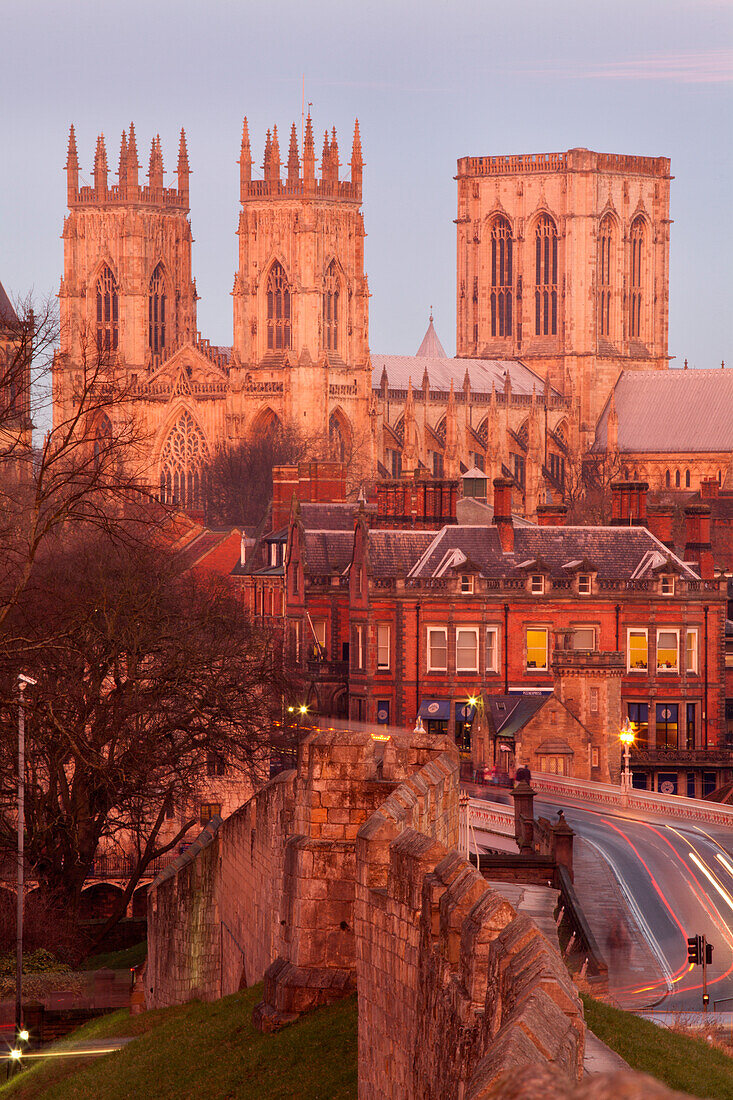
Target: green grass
204	1052
118	960
688	1064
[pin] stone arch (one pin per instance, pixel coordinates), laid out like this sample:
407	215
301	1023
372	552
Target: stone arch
339	434
140	902
183	458
265	422
677	479
98	901
667	479
687	479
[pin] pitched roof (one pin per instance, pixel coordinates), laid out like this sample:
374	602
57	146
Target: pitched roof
482	373
510	713
431	345
328	516
392	553
671	410
617	552
327	552
8	315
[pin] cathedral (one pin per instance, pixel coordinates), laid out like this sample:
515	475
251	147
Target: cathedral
562	298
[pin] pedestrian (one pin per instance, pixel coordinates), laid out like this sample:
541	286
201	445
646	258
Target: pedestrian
523	773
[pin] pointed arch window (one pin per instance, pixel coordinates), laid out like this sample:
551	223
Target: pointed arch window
102	439
278	309
606	247
501	277
331	301
156	312
182	464
637	277
336	437
545	296
107	311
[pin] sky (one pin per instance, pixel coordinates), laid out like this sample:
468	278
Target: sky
430	81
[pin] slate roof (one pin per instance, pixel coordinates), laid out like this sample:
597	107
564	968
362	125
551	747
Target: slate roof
391	553
510	713
671	410
431	345
482	373
328	552
328	517
617	552
202	545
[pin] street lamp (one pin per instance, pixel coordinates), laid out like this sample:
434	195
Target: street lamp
23	682
626	736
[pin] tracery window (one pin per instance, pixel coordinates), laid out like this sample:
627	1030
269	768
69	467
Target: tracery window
107	311
102	439
278	309
331	298
501	278
545	277
156	311
336	438
605	249
181	465
637	273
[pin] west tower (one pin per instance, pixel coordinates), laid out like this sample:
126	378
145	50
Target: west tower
563	262
301	299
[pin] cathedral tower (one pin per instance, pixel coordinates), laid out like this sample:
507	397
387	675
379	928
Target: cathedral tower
301	300
563	262
127	283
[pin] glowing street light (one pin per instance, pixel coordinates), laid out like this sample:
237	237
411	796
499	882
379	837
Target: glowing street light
16	1054
627	737
24	1035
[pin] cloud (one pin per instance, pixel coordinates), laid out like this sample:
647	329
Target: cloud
702	67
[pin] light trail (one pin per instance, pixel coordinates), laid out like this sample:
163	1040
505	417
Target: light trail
712	879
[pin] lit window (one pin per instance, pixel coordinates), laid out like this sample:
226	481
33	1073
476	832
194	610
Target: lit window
584	637
467	650
594	758
537	584
554	765
668	586
383	645
358	651
209	810
296	641
691	651
437	649
667	650
492	648
637	651
466	584
667	725
584	584
639	718
537	648
319	637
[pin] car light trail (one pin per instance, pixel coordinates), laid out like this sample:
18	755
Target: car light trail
725	863
712	879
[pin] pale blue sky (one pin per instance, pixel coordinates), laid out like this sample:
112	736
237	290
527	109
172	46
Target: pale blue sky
429	81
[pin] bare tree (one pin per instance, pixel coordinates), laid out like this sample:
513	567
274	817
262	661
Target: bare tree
587	486
141	673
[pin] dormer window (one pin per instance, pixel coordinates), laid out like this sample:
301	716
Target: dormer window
584	584
466	584
537	584
668	586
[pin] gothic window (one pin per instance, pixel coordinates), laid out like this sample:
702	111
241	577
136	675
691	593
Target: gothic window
637	273
107	311
687	479
676	479
331	299
102	439
501	278
545	296
667	479
605	250
156	312
278	309
336	438
181	465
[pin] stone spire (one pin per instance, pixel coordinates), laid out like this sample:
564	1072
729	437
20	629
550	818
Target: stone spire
100	169
183	171
133	164
326	159
293	159
357	163
612	427
72	168
275	155
309	155
155	167
122	172
245	162
334	157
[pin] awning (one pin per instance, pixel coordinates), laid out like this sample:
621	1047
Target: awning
465	712
435	709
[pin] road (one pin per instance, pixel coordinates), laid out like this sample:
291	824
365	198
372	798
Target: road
676	881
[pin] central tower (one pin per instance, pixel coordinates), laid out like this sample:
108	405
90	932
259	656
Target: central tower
301	299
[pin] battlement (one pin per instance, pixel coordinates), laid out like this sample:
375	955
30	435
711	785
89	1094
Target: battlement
129	190
301	180
574	160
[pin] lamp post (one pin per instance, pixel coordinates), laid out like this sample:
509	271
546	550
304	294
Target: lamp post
626	736
23	682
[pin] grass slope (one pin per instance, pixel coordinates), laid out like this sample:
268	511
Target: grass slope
204	1052
124	959
690	1065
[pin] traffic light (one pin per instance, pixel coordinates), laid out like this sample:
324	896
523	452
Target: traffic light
694	950
708	953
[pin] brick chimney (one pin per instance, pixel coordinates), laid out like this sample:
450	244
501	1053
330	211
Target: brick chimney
697	539
321	482
709	488
284	488
660	521
503	512
416	502
551	515
628	503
